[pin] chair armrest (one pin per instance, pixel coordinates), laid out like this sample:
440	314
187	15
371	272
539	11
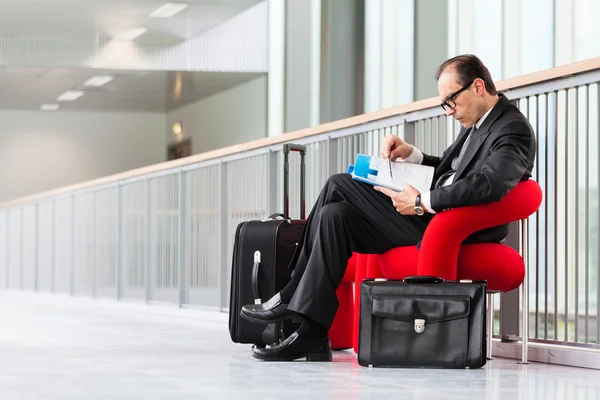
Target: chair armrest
447	230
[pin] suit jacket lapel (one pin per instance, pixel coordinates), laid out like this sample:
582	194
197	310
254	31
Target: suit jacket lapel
480	135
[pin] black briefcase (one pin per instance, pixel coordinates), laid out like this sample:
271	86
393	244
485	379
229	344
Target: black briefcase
262	252
422	322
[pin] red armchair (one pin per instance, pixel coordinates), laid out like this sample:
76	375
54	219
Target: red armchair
341	332
443	254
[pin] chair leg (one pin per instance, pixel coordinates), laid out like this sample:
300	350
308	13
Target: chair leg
524	295
490	324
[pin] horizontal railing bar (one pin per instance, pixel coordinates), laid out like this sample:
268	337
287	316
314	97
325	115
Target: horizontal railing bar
555	85
370	126
424	114
579	345
201	165
303	141
246	154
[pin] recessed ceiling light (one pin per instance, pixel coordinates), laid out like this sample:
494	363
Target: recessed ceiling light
168	10
177	128
131	34
49	107
98	80
70	95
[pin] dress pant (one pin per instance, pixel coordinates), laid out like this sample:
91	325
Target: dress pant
348	216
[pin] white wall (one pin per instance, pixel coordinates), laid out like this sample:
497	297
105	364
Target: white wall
235	116
45	150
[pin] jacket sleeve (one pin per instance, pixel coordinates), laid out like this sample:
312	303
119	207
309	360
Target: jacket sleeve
504	167
431	161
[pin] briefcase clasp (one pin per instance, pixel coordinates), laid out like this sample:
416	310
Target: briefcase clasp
419	325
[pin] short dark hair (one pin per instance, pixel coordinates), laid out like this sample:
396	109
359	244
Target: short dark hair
468	68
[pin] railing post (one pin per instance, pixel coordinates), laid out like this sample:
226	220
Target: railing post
182	245
36	239
223	234
93	245
53	248
332	166
22	266
149	237
410	133
525	292
119	244
72	269
490	325
7	282
509	301
272	183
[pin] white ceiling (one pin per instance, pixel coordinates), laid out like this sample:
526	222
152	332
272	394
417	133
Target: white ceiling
27	88
90	19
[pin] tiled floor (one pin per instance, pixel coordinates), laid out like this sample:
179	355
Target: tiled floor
55	347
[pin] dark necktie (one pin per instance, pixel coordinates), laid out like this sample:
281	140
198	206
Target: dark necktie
456	161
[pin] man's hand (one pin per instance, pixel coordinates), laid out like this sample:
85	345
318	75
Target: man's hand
404	202
394	147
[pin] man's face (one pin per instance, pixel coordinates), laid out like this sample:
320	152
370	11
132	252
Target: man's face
463	105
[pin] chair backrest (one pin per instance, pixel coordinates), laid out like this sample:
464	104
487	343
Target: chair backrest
519	203
448	229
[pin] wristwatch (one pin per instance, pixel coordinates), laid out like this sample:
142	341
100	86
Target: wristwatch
418	207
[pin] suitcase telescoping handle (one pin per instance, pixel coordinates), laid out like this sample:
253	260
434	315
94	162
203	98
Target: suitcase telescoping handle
286	179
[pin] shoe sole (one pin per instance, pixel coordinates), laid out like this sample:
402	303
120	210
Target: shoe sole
310	357
294	318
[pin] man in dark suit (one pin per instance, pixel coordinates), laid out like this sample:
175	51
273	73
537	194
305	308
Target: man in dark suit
493	152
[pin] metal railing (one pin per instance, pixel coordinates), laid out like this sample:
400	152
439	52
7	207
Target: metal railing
167	235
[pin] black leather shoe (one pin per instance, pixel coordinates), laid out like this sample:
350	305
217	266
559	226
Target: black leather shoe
273	310
295	347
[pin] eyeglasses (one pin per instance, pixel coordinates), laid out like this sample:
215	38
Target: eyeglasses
449	103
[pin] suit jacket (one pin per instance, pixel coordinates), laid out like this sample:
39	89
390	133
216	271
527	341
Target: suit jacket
499	155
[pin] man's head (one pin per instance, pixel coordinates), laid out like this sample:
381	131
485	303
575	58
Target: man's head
466	88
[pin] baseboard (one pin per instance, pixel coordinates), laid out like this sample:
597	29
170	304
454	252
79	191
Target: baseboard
549	354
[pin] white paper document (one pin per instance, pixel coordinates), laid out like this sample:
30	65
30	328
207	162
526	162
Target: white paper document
376	171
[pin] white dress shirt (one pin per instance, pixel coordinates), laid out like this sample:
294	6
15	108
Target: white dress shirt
416	157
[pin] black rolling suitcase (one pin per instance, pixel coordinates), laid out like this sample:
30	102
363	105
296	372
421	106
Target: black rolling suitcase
262	253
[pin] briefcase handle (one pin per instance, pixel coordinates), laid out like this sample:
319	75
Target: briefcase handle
423	279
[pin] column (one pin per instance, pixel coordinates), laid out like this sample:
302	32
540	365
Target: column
342	59
431	26
276	76
373	39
